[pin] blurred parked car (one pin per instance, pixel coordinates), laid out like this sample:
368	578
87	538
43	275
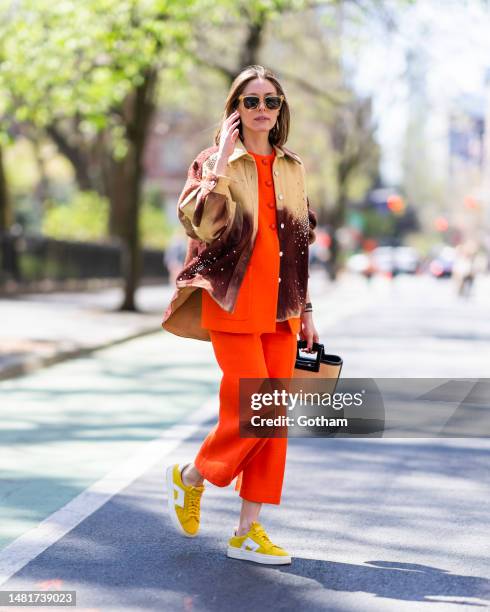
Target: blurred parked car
359	263
441	266
407	260
385	260
396	260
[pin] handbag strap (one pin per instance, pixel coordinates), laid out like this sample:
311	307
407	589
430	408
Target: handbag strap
305	363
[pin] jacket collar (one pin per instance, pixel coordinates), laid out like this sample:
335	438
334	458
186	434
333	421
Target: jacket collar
240	150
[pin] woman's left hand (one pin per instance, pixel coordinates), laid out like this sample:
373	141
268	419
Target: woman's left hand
308	331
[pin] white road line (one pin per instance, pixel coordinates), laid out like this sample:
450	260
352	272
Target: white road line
35	541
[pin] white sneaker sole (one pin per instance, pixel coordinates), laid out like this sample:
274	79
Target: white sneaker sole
250	555
171	504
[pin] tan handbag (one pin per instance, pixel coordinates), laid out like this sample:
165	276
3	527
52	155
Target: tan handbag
325	368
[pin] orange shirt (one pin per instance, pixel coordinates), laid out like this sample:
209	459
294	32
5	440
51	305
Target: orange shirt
256	306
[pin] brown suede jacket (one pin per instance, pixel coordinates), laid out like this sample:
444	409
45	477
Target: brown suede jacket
220	216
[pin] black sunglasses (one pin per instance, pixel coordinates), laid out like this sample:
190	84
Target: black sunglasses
252	102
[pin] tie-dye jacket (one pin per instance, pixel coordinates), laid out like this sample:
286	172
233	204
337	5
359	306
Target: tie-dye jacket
220	216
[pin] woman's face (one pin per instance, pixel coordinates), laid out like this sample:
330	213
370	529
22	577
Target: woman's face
260	119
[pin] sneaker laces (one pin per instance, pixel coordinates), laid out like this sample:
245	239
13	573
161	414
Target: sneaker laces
194	503
262	535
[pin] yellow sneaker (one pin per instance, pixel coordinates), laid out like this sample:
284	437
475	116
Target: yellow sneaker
184	502
256	546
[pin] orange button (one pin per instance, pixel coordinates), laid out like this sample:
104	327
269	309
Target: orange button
271	205
272	226
268	183
265	161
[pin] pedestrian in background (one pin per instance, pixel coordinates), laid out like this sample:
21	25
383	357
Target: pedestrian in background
469	262
244	287
174	255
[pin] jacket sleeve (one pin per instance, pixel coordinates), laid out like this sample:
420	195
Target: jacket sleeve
205	207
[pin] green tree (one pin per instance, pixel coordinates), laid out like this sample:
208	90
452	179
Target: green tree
88	72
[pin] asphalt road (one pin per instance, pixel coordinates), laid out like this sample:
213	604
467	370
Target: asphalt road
372	524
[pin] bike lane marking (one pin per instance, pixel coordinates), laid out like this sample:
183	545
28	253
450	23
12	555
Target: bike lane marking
65	427
24	549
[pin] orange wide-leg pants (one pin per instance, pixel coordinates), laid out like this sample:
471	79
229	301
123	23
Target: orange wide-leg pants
259	463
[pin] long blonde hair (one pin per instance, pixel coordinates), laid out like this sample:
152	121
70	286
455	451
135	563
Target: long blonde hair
279	133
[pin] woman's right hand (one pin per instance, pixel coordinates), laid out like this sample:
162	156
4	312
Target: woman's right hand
229	134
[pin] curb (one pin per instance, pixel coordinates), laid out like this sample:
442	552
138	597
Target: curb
31	364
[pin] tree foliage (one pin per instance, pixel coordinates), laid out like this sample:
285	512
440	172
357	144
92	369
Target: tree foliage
81	60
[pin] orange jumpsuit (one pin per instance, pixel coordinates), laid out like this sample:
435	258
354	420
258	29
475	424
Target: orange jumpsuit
250	343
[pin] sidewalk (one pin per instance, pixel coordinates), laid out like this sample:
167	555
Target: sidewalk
42	329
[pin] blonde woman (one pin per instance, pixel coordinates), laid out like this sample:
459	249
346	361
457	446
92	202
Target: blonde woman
244	287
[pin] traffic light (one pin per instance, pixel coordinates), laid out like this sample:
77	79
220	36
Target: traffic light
441	224
396	204
471	202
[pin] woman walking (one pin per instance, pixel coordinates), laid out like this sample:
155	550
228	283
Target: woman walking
244	288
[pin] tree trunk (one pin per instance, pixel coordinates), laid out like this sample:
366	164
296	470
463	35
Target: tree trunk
126	183
76	155
252	45
5	209
337	220
125	198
